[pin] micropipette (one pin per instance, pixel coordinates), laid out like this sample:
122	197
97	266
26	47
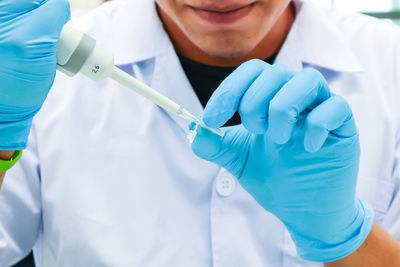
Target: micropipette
78	52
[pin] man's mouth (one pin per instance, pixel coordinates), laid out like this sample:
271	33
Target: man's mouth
221	15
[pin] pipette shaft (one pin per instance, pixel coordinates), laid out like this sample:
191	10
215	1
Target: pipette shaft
154	96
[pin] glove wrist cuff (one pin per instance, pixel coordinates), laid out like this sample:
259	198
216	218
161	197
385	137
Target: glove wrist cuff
324	252
14	135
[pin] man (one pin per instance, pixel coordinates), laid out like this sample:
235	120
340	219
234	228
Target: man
108	178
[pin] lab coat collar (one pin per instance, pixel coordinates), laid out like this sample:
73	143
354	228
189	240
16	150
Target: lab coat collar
314	40
140	34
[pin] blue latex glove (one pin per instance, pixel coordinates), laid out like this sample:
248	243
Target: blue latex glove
29	30
296	152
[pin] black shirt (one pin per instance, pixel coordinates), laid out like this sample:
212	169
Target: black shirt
206	78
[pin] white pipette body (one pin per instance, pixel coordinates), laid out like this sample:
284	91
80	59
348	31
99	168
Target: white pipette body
78	52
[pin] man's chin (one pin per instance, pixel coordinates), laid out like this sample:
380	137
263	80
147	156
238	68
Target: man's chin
227	54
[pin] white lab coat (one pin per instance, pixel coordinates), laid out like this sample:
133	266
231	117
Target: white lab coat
109	179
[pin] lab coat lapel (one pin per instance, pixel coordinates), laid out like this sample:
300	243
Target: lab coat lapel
305	47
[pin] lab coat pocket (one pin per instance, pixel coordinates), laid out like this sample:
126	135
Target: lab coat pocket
377	193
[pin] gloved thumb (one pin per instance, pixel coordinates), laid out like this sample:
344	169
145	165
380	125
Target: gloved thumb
229	151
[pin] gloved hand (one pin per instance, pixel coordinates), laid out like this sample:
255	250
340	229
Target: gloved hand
29	30
296	152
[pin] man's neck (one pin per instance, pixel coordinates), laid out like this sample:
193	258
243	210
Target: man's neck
269	46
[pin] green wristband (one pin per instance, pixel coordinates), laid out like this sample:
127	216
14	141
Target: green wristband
5	165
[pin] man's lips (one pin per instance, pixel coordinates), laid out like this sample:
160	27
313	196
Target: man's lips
220	9
229	14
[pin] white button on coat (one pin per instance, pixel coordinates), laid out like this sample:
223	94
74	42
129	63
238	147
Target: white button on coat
225	184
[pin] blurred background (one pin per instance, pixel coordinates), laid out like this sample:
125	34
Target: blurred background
80	7
383	9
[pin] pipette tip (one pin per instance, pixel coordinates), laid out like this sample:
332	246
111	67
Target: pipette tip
188	116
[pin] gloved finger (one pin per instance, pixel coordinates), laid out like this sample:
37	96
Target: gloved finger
225	151
12	7
50	18
39	27
306	89
32	41
253	107
333	115
225	100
